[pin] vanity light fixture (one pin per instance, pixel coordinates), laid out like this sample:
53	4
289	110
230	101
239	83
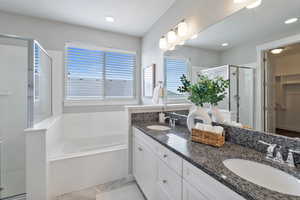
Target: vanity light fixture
182	29
277	51
176	36
291	20
172	37
163	43
254	4
110	19
225	44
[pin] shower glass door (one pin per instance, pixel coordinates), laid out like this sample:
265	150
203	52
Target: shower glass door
13	118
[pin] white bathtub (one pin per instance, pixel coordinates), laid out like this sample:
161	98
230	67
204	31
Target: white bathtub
79	147
78	160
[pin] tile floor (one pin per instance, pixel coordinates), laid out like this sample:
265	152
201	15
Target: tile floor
116	190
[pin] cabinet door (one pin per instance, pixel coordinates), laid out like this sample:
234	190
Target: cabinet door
190	193
138	156
145	169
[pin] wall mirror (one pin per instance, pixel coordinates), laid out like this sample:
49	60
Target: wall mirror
149	80
249	48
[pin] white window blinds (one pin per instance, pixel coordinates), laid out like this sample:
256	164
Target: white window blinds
175	68
96	74
119	73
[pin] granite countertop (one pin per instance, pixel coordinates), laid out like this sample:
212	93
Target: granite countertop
210	160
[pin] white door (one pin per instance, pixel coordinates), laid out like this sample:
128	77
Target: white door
270	95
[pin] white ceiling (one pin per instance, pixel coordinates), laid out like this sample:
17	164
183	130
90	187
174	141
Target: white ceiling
258	24
133	17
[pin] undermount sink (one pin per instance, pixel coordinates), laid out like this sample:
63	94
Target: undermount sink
264	176
159	128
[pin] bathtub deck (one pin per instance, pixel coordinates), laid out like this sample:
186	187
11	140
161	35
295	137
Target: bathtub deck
116	190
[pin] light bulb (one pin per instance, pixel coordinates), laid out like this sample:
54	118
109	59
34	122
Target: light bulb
181	43
276	51
163	44
254	4
182	29
172	37
239	1
172	48
194	36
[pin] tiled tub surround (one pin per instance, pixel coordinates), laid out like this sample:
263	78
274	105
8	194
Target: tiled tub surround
210	159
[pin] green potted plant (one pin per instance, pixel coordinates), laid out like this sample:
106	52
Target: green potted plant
205	90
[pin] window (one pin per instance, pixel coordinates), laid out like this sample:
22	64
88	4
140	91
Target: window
94	74
174	68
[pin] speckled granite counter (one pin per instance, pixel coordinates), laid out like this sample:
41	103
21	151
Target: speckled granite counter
210	160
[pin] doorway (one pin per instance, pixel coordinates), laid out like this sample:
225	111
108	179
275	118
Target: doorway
282	90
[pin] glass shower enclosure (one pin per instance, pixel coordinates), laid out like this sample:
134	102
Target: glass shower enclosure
25	99
240	95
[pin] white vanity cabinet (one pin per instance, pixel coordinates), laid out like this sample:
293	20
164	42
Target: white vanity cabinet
191	193
163	175
145	168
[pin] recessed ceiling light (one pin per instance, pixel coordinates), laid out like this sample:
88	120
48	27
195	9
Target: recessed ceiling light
276	51
194	36
109	19
225	44
254	4
292	20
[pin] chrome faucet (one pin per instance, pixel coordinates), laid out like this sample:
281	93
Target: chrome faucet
290	161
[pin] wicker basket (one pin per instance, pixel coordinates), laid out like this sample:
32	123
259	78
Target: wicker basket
209	138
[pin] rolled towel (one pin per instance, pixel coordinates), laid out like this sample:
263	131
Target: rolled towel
199	126
218	129
208	128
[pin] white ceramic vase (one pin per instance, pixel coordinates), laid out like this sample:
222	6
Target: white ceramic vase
200	113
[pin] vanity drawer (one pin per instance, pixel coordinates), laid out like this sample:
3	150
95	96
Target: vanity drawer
153	145
207	185
169	181
170	159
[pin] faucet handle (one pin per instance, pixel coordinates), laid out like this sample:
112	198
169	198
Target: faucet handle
263	142
294	151
270	150
290	159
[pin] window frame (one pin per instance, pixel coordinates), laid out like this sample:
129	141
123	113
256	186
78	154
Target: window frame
179	99
95	101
